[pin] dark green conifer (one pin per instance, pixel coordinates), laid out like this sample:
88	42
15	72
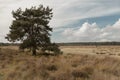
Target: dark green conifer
31	28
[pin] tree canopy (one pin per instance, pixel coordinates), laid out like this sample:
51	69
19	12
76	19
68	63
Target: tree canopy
31	28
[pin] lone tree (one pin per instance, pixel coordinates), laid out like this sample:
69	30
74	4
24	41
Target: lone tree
31	28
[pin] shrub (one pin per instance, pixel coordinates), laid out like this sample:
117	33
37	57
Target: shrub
54	48
52	68
80	74
1	76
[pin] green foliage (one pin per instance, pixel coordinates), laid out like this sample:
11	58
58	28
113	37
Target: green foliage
31	28
1	76
54	48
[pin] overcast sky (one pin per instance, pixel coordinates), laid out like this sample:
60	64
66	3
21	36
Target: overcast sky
73	21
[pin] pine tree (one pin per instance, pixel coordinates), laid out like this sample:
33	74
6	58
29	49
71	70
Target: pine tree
31	28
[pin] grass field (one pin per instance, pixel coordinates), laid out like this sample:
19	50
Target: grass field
92	50
76	63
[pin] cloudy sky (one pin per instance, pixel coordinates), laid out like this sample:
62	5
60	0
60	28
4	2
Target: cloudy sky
73	21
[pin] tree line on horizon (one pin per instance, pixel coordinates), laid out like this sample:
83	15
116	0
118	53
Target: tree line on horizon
88	43
71	44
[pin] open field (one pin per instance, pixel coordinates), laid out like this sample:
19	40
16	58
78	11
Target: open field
77	63
92	50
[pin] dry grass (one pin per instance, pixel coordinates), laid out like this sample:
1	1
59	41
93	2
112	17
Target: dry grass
16	65
92	50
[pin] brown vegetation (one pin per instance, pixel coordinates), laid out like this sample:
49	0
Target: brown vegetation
16	65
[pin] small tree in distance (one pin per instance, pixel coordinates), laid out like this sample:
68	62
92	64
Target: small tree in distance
31	28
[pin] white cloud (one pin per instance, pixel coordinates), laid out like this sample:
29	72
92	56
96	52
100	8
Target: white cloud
92	32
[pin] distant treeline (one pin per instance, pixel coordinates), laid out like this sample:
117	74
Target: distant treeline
88	43
8	44
72	44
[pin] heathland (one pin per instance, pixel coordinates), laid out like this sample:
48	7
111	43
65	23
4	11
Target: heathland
76	63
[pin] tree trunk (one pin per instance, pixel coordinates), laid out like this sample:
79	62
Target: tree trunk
34	51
